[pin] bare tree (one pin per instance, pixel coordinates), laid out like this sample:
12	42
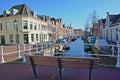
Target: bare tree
93	18
86	29
92	22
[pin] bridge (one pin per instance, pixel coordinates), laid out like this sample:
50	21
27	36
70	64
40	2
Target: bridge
8	53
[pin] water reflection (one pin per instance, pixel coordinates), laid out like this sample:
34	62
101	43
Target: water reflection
76	50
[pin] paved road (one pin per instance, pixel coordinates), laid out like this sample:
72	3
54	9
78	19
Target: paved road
24	72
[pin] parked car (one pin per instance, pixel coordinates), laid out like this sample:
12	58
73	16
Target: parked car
87	48
66	47
61	41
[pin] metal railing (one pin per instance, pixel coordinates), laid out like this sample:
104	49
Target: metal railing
10	52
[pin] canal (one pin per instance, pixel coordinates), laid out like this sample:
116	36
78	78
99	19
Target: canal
76	49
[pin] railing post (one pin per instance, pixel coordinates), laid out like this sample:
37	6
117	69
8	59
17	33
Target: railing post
42	47
19	56
51	48
83	54
118	56
36	48
29	49
112	49
2	59
24	52
46	45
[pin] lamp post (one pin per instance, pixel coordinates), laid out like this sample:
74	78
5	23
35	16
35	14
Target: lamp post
17	35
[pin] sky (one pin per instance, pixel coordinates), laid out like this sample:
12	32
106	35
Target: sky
74	12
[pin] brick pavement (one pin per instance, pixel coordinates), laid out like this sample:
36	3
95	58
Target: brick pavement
22	71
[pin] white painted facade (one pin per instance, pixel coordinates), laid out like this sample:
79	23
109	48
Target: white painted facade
111	32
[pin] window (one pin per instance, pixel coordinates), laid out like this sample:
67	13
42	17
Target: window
25	24
116	33
15	25
35	26
44	28
49	27
36	37
107	34
38	26
11	38
111	33
0	26
7	26
31	25
25	38
32	37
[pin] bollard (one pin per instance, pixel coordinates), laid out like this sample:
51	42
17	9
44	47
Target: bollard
2	59
19	56
118	56
24	52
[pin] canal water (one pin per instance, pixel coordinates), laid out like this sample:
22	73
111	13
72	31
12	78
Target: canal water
76	49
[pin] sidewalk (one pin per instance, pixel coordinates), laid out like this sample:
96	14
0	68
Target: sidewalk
22	71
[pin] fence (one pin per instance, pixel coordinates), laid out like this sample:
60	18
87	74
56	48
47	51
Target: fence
8	53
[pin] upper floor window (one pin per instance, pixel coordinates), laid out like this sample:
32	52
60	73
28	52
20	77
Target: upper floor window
116	33
0	26
25	24
38	26
31	25
7	26
44	28
49	27
35	26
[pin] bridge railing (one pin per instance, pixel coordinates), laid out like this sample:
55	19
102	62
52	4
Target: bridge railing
10	52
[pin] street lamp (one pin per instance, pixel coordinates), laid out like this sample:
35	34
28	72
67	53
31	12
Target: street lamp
17	35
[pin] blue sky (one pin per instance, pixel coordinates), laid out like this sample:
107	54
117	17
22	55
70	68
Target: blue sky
71	11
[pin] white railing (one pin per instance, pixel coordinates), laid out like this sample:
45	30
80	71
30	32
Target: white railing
11	51
48	49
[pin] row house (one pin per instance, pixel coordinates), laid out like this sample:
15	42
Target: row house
78	32
22	25
110	27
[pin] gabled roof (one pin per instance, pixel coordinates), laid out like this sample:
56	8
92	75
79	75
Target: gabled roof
114	18
23	9
103	21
